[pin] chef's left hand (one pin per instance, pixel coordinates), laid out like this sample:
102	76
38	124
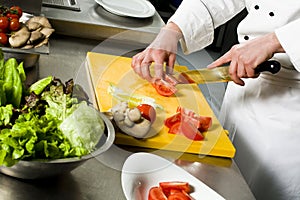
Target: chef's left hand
245	57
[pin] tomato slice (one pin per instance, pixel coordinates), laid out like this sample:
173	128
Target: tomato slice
156	193
204	123
173	186
170	121
164	88
147	111
179	196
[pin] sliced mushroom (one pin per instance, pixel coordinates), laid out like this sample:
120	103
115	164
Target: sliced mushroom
19	38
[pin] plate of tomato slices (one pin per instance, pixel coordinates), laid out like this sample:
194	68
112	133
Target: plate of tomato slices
146	176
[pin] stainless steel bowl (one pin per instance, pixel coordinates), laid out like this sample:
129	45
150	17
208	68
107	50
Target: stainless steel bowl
29	57
44	169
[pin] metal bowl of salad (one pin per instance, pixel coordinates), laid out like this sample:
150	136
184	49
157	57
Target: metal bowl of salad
47	128
43	168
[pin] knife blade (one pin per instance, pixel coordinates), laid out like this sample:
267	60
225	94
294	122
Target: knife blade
220	74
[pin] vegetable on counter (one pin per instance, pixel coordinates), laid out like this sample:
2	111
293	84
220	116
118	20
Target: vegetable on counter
44	121
18	32
186	122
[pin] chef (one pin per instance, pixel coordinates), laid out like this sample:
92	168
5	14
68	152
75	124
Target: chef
261	110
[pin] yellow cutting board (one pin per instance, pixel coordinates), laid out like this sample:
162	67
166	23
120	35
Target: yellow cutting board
105	69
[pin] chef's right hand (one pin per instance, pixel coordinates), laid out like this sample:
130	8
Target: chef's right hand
162	50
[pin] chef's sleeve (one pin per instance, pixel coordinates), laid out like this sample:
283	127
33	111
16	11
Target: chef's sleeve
288	37
197	20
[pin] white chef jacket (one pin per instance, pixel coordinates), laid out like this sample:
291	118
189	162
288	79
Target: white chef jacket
264	115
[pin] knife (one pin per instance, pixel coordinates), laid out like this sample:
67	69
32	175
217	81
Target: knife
220	74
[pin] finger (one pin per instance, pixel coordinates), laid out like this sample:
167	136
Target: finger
170	64
136	63
234	74
220	61
158	70
241	72
145	71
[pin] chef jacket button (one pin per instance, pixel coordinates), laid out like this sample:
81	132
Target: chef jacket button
246	37
271	14
256	7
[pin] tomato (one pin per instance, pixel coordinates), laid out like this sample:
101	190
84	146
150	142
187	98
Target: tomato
186	122
3	39
179	196
14	24
170	121
4	23
16	10
147	111
167	187
156	193
204	123
12	16
164	88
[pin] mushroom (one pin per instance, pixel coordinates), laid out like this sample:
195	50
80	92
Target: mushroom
40	20
35	37
20	37
130	121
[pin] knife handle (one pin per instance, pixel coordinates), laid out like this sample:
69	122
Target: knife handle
272	66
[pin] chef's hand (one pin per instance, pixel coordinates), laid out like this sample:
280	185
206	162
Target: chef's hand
162	50
245	57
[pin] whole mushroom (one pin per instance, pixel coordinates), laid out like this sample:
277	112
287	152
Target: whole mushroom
130	120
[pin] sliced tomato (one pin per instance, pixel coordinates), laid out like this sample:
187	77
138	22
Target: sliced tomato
156	193
188	123
170	121
147	111
164	88
173	186
179	196
187	129
204	123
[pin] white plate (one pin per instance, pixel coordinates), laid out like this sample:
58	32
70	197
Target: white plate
128	8
141	171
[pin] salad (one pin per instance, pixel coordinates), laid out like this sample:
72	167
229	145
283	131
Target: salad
44	120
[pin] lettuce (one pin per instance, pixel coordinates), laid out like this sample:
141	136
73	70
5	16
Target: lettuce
48	121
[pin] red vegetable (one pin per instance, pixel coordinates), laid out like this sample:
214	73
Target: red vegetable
16	10
3	39
164	88
188	123
156	193
175	190
167	187
147	111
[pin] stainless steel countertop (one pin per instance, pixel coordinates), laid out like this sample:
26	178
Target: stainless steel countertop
93	21
100	178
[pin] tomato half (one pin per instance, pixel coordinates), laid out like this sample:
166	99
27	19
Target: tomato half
147	111
156	193
164	88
